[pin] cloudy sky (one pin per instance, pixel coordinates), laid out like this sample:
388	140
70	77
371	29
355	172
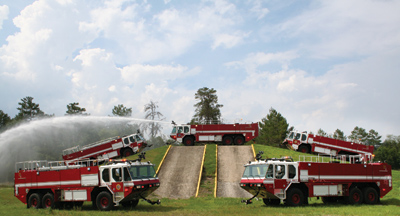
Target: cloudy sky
321	64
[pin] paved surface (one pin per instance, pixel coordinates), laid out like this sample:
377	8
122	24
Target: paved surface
180	171
230	170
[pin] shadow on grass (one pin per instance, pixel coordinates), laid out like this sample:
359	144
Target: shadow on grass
139	208
387	202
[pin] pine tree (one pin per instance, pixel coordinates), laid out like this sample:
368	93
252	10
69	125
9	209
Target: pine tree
273	129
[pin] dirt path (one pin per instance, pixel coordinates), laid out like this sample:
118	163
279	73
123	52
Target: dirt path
179	173
230	170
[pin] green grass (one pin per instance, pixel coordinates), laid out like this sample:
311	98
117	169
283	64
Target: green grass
206	204
154	156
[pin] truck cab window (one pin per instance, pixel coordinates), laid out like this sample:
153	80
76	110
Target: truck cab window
297	136
180	129
105	175
291	135
132	139
173	130
303	137
279	171
270	171
126	141
138	138
116	174
186	129
292	171
127	176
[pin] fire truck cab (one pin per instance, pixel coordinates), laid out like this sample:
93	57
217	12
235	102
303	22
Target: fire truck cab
275	180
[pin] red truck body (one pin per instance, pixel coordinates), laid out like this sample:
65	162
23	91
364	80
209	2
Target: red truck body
42	184
105	149
228	134
308	143
277	180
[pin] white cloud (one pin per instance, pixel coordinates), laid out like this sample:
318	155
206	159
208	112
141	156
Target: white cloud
258	9
343	28
3	14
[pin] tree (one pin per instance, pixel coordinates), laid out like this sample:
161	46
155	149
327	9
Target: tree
389	151
359	134
4	119
338	134
373	138
28	110
273	129
207	109
321	133
74	109
122	111
153	115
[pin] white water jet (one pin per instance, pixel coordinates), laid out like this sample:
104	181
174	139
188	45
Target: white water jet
44	139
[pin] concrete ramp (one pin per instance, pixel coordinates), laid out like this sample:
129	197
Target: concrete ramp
230	170
179	173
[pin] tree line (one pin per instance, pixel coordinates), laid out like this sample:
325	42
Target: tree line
272	129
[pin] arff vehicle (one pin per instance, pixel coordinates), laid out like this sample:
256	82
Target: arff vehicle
283	180
227	134
106	149
43	184
307	143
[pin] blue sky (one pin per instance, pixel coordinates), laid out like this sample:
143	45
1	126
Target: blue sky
321	64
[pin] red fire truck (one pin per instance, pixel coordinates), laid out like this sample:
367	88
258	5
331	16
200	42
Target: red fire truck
306	143
42	184
105	149
228	134
276	180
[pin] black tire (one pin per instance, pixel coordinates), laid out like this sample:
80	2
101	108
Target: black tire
48	201
127	152
272	202
370	196
35	201
239	140
130	203
188	141
294	197
303	148
355	196
227	140
104	201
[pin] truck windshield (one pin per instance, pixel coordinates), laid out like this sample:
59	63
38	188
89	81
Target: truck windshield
140	172
255	171
173	130
291	135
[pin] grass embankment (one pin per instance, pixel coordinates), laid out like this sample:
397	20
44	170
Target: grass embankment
206	204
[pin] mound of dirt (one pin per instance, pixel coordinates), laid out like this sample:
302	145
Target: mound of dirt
180	171
230	170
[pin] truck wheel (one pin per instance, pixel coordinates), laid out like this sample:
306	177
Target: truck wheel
239	140
294	197
355	196
35	201
48	201
227	140
370	195
188	141
127	152
274	202
304	149
104	201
